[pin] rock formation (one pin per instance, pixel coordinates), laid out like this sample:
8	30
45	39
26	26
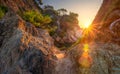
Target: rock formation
20	5
105	23
96	58
26	49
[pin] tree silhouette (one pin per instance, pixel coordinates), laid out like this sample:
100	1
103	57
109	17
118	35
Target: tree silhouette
62	11
39	2
74	15
48	7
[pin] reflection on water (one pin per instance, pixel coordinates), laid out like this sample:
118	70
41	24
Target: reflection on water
85	59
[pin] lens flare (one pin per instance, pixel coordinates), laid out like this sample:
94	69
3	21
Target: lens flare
89	34
86	47
85	60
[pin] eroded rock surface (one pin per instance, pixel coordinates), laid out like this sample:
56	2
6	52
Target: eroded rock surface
24	49
98	59
107	21
20	5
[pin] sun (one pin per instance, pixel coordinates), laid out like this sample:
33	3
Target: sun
86	25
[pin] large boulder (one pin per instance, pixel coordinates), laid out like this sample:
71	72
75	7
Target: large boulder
70	30
24	49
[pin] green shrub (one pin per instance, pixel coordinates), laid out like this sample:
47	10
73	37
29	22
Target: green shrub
52	30
36	18
3	11
1	14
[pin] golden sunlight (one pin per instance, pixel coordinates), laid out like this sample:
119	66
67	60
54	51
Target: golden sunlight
60	55
85	60
86	48
85	24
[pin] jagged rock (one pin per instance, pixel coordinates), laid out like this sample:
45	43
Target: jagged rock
98	59
24	49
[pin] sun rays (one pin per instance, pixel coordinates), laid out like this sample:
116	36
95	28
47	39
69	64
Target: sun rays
89	34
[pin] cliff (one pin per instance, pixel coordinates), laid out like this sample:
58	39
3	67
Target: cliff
107	21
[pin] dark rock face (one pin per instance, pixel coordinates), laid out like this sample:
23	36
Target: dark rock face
24	49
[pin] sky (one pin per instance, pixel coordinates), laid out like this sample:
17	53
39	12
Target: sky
86	9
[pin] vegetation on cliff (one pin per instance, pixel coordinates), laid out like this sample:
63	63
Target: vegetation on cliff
36	18
3	11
